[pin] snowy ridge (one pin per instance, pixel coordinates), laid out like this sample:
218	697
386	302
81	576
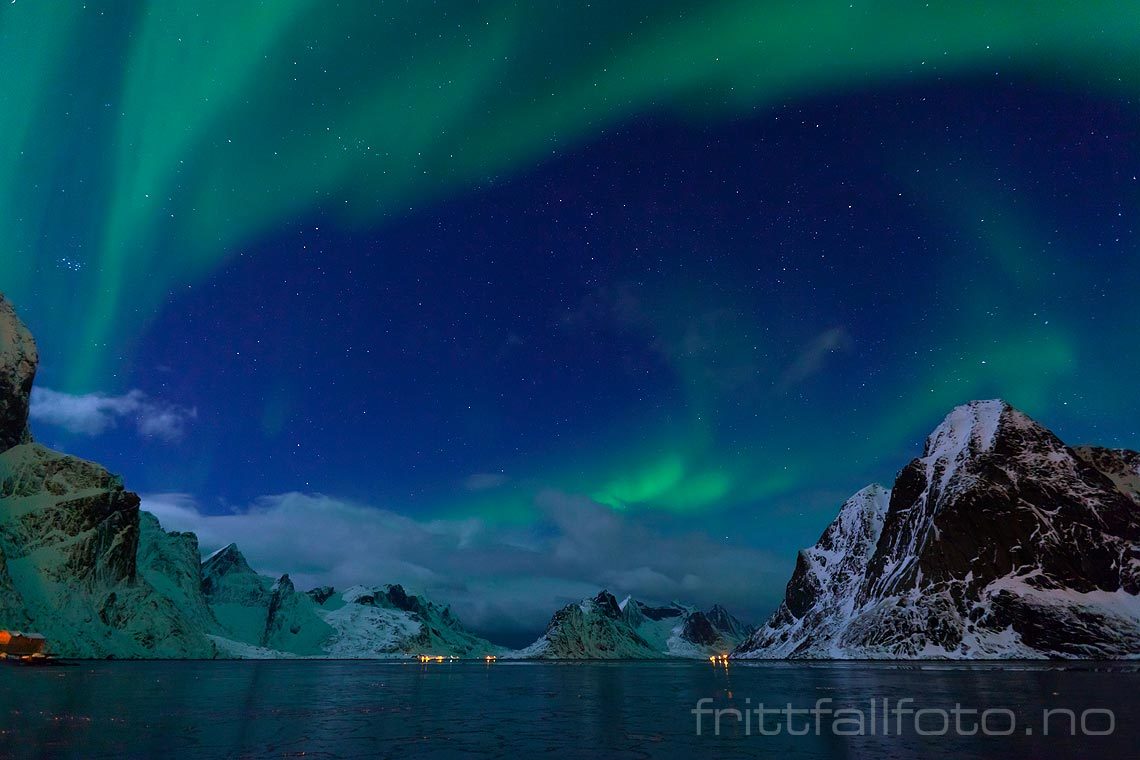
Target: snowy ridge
967	431
821	596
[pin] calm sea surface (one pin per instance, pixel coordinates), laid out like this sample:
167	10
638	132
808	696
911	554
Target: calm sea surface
595	710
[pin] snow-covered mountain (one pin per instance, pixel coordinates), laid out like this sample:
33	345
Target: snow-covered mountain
386	621
1000	541
264	618
602	628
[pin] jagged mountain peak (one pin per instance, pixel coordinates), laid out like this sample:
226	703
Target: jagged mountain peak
226	560
1003	500
607	604
727	623
978	431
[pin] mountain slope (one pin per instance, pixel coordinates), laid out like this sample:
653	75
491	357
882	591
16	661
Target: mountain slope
1000	541
593	629
257	611
78	561
677	630
386	621
262	618
601	628
69	541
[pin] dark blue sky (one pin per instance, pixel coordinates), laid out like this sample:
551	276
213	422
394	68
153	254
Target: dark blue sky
712	323
487	332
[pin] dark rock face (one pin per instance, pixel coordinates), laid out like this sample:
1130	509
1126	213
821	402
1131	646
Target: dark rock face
608	605
658	614
71	526
401	600
18	361
699	630
1121	466
728	625
321	594
76	499
1000	541
291	622
1026	501
221	564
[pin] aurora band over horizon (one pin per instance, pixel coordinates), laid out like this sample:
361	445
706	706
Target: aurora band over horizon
152	141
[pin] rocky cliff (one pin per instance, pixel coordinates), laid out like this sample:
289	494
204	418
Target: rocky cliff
70	542
18	362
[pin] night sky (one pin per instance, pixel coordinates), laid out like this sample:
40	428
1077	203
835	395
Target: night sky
508	302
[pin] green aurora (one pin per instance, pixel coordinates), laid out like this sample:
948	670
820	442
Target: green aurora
150	143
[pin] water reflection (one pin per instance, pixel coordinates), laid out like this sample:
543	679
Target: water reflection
345	709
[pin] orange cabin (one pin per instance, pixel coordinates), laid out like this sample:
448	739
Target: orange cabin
20	644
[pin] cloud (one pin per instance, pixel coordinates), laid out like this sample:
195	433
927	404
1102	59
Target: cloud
497	578
813	355
483	481
94	413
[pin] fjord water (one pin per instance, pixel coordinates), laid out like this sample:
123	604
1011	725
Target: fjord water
566	710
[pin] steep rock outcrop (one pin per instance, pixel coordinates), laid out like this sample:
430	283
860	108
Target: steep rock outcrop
18	361
70	537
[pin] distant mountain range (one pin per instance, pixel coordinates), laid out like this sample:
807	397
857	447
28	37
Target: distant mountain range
258	616
601	628
999	542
